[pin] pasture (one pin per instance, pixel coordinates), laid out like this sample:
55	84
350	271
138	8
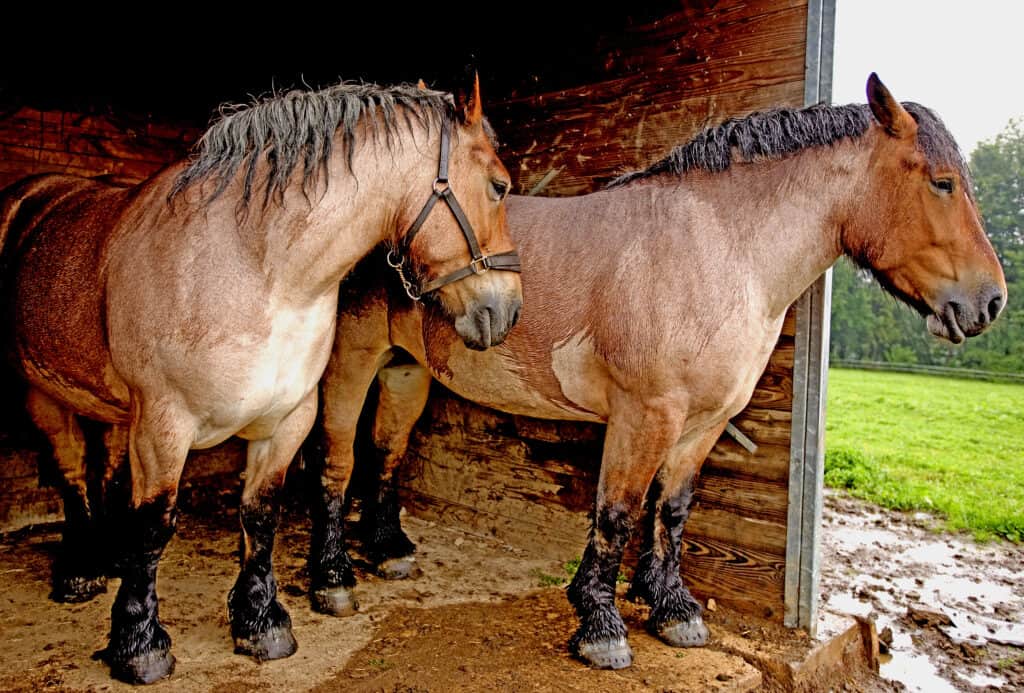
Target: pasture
918	442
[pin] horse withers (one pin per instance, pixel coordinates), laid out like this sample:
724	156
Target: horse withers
654	307
202	304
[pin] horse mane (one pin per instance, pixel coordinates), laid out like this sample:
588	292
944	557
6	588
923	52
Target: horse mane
779	133
299	127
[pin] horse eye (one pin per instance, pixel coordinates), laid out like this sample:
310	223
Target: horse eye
943	185
500	188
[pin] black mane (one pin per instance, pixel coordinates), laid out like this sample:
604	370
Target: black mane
779	133
299	127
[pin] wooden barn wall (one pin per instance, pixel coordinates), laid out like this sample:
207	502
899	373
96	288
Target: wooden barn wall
532	482
125	148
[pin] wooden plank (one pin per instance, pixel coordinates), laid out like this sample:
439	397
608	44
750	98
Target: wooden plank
771	461
731	60
41	160
740	578
744	495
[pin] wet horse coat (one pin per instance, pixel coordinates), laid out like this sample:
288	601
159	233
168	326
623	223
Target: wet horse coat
201	304
654	306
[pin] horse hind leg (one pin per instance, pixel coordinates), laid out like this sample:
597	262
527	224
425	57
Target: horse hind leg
344	386
78	573
637	441
676	617
403	396
260	625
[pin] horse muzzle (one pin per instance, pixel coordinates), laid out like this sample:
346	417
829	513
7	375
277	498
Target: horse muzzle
488	320
964	315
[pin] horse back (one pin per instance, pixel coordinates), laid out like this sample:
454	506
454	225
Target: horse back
55	231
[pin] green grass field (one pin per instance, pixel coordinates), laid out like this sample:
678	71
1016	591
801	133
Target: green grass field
916	442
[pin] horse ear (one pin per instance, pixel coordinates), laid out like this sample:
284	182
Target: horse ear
888	111
470	109
421	85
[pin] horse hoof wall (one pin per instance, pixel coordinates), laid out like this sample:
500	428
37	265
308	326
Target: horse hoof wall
144	668
685	633
606	654
334	601
399	568
276	643
74	590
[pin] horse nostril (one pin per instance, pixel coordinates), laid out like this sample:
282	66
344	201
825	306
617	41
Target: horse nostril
994	306
515	315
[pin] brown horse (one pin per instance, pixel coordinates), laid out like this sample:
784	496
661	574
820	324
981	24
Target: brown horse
202	303
654	307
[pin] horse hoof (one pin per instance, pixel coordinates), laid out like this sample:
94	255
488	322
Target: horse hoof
606	654
684	633
144	668
399	568
334	601
74	590
276	643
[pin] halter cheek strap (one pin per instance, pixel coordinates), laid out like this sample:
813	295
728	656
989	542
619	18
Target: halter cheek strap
478	264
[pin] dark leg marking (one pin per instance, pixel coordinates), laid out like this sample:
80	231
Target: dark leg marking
259	623
601	637
385	543
330	567
139	649
675	614
79	572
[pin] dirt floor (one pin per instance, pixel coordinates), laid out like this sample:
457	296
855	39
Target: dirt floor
479	620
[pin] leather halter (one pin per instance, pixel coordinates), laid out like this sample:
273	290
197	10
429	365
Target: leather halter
480	263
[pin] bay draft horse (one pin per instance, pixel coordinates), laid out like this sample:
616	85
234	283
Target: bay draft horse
653	307
202	304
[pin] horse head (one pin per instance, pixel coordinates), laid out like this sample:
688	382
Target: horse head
457	258
935	254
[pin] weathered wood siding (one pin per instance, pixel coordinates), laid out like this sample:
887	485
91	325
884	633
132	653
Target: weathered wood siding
127	149
532	482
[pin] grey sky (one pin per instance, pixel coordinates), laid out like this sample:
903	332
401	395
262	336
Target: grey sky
961	59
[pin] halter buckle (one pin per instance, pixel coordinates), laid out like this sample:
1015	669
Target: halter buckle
480	265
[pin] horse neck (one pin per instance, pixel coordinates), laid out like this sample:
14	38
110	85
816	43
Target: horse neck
788	214
308	244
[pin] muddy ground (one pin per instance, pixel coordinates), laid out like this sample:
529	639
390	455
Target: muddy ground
955	608
480	619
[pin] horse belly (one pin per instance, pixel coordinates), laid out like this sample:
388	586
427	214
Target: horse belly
60	340
493	380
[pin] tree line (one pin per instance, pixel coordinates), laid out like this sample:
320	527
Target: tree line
869	325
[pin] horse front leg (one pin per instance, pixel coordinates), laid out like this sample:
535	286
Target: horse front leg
260	625
675	614
139	648
637	441
403	396
78	572
343	391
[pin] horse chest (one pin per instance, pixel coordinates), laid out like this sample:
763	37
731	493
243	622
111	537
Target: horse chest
276	376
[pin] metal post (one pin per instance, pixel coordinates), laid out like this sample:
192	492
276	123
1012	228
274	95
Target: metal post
810	374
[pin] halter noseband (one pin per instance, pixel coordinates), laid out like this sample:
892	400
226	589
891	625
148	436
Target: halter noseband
480	263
